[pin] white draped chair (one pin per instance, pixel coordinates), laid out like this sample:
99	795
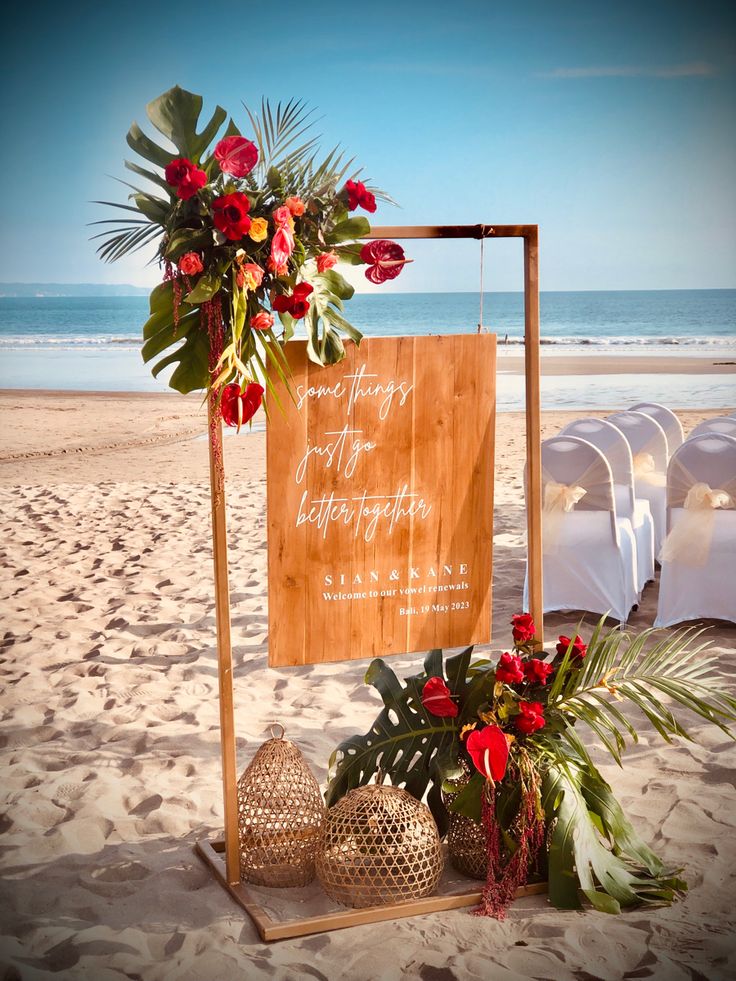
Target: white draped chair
668	421
719	424
698	577
588	552
648	445
614	446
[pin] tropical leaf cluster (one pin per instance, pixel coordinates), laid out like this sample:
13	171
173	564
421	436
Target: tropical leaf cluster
289	167
594	854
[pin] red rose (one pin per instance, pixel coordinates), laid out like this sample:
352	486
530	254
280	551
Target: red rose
360	197
190	264
523	628
436	698
185	177
509	669
296	304
236	155
578	648
489	751
238	407
230	215
536	671
530	717
386	260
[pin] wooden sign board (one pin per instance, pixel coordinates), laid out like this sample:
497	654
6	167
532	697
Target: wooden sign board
380	500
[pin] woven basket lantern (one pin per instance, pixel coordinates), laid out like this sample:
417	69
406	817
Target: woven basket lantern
378	845
280	810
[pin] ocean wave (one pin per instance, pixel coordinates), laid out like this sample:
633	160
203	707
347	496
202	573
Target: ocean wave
118	342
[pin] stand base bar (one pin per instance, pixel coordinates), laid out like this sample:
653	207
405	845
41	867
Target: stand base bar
212	852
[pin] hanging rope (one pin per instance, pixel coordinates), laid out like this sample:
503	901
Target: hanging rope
480	321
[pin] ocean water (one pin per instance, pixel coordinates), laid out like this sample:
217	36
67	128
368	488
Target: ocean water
92	343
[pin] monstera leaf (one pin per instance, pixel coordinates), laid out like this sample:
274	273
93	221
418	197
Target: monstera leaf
406	742
593	849
191	354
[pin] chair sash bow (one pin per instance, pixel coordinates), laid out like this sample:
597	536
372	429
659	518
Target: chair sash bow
645	470
690	540
562	497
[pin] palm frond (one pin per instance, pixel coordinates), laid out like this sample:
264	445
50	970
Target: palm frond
618	666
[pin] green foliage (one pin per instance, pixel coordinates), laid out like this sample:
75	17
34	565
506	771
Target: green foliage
289	164
406	742
594	852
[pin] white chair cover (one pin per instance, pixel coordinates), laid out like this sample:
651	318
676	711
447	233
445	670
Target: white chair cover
588	552
720	424
614	446
648	445
668	421
698	577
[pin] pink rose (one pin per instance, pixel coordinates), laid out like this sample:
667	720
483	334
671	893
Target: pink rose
236	155
326	260
282	217
261	321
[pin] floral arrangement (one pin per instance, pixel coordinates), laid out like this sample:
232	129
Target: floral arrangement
249	234
502	743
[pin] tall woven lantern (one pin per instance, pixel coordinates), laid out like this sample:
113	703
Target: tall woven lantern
378	845
280	810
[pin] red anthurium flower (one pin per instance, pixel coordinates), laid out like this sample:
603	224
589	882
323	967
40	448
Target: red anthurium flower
578	650
523	628
236	155
385	259
238	407
489	751
230	215
437	699
190	264
509	669
185	177
530	717
537	672
359	196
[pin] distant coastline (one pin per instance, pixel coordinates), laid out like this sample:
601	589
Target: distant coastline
71	289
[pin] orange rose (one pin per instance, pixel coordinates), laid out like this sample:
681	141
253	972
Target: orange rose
261	321
295	206
326	260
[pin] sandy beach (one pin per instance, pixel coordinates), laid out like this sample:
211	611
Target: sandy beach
110	751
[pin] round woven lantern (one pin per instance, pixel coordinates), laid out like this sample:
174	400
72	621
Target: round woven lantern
466	847
280	810
378	845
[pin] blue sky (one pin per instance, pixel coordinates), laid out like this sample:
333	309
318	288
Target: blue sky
612	126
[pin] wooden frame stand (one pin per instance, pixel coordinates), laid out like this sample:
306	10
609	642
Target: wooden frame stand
221	855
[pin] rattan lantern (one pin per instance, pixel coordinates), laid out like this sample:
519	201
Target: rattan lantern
280	810
378	845
466	839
